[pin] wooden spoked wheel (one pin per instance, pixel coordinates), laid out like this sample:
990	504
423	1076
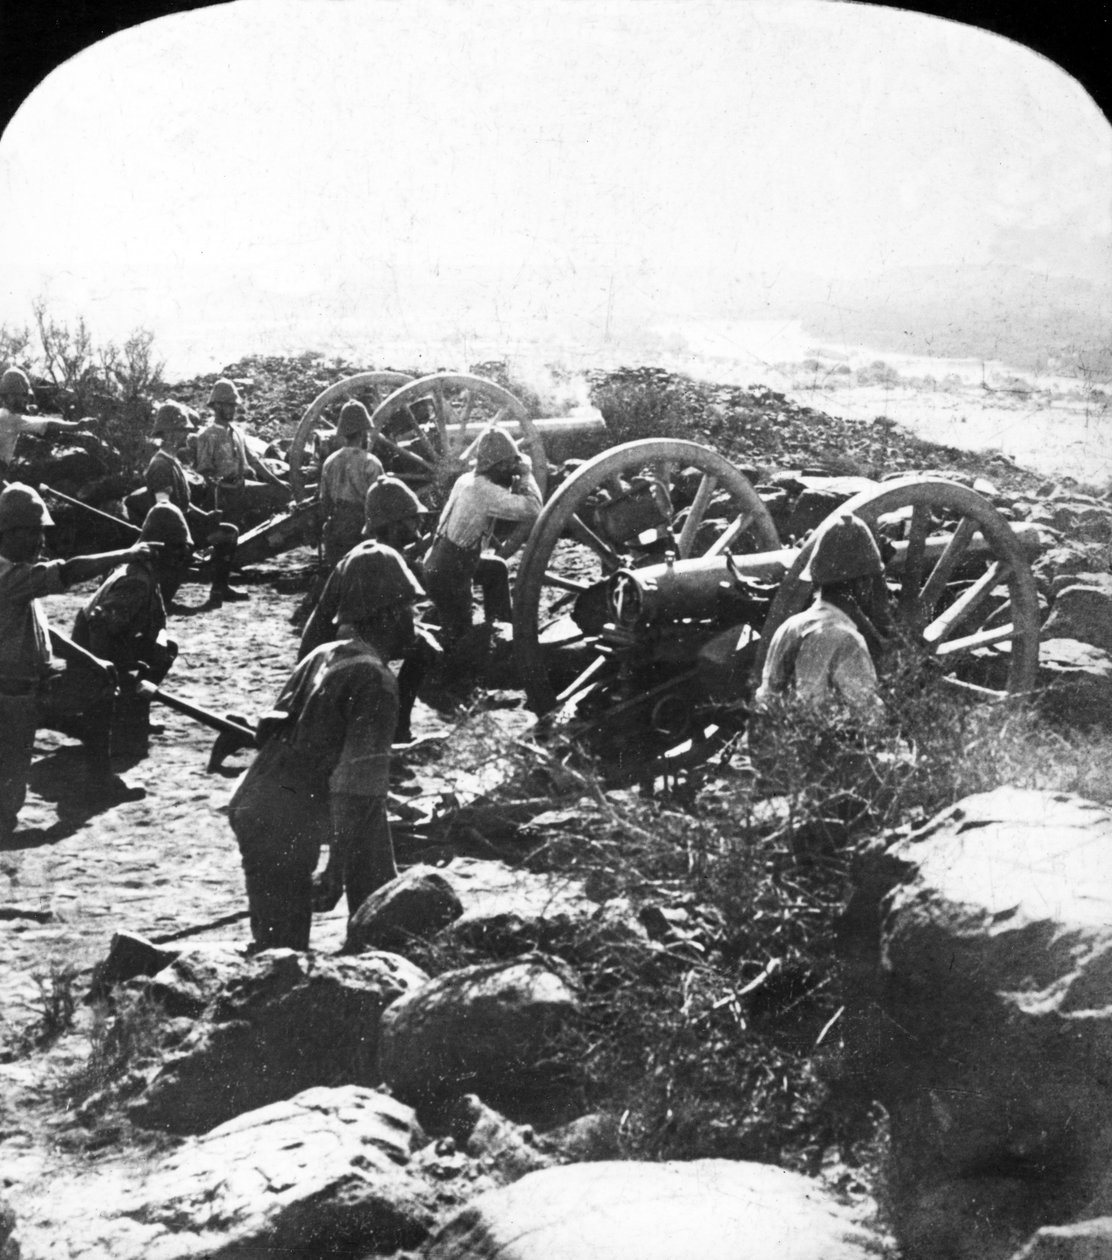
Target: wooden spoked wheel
369	388
962	589
425	429
625	508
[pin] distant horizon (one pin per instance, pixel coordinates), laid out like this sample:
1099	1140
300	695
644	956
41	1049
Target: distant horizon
289	167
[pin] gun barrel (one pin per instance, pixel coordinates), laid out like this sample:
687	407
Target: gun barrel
690	588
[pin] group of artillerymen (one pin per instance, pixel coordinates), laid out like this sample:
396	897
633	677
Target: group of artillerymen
321	773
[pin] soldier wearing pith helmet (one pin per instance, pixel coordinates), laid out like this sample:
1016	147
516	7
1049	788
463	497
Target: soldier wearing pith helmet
500	487
166	482
822	654
33	689
346	476
393	517
323	766
16	398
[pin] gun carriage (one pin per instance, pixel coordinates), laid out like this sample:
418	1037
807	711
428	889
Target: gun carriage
654	579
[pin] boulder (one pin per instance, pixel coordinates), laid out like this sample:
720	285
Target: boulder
128	956
487	1029
287	1022
1102	582
507	910
328	1172
705	1209
189	982
418	903
1079	517
1083	613
987	1032
1076	682
1071	557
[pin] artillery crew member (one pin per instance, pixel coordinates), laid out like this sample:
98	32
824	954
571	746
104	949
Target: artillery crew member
32	691
124	623
166	482
392	516
821	655
501	487
322	770
15	397
346	476
224	458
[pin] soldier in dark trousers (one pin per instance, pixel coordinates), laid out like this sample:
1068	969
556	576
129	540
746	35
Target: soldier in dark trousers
501	487
323	765
124	622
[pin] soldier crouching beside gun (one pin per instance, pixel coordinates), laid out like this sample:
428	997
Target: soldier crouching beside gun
819	676
124	622
78	700
323	765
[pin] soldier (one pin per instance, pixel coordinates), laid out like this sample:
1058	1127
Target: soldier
124	622
392	516
15	398
500	488
821	655
323	765
345	478
224	458
32	691
166	482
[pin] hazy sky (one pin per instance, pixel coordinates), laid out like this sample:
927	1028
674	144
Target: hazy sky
279	164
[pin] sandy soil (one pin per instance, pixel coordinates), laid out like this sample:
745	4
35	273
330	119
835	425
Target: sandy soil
169	862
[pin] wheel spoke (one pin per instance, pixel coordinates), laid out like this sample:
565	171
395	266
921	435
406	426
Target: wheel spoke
468	404
564	583
695	515
947	563
967	602
914	557
982	638
584	678
583	533
730	535
404	453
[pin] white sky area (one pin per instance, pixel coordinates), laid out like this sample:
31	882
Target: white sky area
290	174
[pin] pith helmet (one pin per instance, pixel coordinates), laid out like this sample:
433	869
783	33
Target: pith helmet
375	578
21	507
494	446
389	500
170	418
353	419
844	550
165	524
14	382
224	391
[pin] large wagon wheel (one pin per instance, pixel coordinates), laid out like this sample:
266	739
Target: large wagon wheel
426	427
368	387
963	592
588	530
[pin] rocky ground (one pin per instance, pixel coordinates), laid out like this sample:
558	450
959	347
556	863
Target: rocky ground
166	867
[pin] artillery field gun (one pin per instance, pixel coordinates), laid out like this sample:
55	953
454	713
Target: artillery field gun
654	579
